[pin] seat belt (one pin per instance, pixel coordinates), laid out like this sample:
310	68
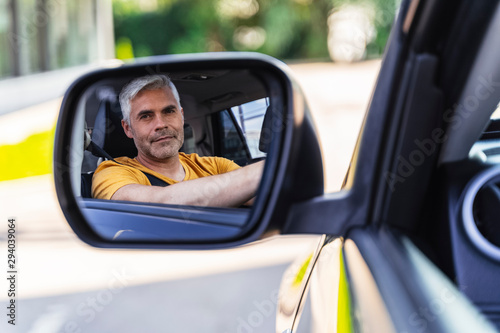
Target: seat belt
155	181
99	152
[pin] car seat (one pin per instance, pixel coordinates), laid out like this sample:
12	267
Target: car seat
108	140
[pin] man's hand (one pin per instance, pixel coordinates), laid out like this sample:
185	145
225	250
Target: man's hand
230	189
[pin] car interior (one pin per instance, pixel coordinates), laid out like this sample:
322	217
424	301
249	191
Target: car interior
473	215
443	158
224	113
227	113
465	192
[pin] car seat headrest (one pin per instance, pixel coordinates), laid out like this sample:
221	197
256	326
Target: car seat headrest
86	137
108	131
266	131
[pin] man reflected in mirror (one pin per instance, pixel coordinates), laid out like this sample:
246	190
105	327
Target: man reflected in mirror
154	119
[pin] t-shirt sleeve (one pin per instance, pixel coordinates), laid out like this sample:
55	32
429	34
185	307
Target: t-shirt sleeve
110	177
224	165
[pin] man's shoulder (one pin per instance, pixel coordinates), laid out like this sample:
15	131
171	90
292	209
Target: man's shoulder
195	158
118	162
113	174
212	164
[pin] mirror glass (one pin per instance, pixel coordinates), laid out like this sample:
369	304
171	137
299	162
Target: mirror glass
225	117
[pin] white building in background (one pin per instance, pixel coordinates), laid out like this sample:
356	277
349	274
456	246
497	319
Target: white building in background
46	44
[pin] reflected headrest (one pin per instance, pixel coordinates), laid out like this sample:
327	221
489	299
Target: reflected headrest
266	131
108	131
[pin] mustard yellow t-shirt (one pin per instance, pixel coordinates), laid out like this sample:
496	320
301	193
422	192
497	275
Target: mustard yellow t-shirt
111	176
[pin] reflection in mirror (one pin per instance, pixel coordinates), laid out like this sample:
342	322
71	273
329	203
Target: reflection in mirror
171	159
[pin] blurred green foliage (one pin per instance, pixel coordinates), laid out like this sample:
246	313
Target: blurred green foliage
285	29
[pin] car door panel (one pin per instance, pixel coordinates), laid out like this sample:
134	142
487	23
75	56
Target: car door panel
418	296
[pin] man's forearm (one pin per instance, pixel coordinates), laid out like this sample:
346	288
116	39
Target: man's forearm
231	189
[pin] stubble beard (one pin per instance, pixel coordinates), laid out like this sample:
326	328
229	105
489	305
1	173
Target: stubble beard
161	150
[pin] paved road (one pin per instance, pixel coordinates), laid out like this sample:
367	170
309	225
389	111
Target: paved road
64	285
239	301
215	303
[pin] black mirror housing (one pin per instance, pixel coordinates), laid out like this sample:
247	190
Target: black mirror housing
293	170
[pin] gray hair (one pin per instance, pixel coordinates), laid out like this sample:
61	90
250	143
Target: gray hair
148	82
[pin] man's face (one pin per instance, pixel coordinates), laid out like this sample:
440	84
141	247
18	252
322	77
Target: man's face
156	124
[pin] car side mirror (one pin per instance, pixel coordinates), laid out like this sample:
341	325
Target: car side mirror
241	106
